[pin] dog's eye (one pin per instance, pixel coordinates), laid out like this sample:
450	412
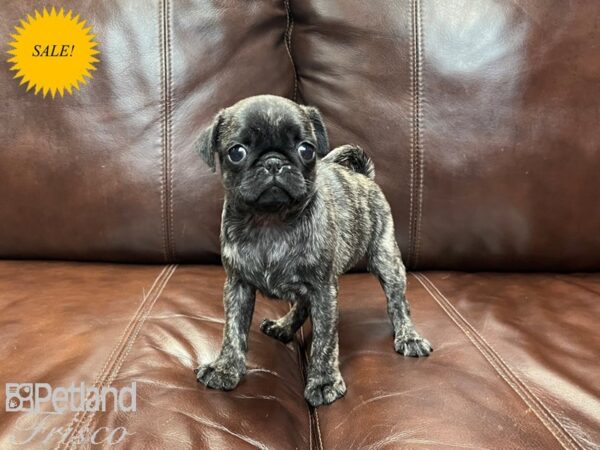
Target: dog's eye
236	154
306	151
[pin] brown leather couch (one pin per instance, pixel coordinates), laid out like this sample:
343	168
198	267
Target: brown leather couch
483	118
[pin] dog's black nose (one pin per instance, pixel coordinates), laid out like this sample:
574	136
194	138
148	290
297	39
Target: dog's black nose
273	165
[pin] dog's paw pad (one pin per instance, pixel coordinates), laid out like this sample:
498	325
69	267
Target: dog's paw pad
413	346
324	392
276	331
217	377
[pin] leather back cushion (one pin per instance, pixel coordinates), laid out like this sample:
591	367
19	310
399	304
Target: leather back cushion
482	118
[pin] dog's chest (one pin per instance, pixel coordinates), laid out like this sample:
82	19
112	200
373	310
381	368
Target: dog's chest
274	264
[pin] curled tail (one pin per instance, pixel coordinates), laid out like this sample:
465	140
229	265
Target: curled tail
353	157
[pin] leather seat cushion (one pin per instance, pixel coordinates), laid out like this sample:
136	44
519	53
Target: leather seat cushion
511	363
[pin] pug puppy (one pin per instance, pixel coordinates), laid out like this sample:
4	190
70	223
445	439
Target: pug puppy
295	218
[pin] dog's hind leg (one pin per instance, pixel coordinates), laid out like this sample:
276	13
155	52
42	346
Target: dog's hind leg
284	328
386	264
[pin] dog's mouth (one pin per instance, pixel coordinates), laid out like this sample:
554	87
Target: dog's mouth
273	197
272	193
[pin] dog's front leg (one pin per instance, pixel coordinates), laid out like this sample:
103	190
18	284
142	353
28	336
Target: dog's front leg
226	371
324	382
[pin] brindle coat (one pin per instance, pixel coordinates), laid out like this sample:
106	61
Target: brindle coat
292	231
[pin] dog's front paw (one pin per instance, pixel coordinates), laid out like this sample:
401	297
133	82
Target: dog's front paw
323	390
412	345
273	329
217	375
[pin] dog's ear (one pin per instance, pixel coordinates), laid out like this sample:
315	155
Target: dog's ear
208	142
317	121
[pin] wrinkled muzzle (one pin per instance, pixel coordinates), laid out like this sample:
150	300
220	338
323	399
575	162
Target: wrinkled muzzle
272	183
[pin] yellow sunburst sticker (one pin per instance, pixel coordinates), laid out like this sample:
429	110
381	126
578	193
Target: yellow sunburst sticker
53	52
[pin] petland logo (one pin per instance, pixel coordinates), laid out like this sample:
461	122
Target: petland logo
43	401
38	397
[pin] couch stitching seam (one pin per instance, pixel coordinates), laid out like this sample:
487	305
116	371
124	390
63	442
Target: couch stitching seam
119	360
166	129
417	160
412	139
169	49
289	28
162	133
110	361
420	148
501	367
